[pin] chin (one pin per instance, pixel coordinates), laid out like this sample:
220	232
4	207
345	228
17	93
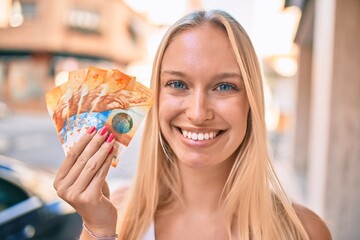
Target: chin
195	162
196	165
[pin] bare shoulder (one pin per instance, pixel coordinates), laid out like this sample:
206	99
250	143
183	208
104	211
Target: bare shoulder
314	225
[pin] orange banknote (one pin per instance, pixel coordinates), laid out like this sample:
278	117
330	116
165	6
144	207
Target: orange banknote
99	97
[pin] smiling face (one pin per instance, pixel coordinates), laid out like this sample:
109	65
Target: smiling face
203	105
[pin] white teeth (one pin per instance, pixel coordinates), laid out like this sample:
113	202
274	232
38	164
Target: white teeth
194	136
189	135
206	136
198	136
201	136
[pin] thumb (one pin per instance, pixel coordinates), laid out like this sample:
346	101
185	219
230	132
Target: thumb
106	190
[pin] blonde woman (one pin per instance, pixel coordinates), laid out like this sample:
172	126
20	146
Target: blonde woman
204	168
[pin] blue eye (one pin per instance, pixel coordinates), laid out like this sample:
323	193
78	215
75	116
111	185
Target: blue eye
177	84
224	87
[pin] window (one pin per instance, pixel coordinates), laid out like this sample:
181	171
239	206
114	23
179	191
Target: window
10	195
29	9
22	11
84	20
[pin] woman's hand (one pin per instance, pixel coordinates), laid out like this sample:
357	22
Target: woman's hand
80	180
111	101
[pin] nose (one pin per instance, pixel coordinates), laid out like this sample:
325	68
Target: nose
198	108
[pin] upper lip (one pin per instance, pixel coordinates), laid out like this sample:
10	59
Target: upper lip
199	130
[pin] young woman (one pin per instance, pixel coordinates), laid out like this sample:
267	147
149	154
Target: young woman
204	168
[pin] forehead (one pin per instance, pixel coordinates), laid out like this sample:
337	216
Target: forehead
203	47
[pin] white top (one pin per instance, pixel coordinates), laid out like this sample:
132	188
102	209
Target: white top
150	234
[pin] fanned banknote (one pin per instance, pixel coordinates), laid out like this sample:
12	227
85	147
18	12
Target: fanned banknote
74	89
57	105
98	97
84	98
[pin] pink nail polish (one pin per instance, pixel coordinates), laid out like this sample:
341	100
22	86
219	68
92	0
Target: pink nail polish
110	138
103	131
91	130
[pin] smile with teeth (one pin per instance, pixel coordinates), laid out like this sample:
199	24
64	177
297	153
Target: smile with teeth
199	136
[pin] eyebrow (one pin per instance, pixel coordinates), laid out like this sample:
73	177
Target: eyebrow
176	73
218	76
228	75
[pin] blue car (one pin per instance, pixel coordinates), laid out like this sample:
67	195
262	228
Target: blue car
30	207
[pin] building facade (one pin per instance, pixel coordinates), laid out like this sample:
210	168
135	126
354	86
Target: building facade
327	139
40	38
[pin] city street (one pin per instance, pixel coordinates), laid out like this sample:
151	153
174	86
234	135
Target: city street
31	139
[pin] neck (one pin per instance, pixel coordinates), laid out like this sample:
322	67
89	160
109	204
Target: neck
202	188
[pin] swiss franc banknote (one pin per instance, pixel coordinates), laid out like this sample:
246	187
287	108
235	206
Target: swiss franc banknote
98	97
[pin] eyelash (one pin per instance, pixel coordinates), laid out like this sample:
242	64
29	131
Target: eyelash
175	84
233	87
180	85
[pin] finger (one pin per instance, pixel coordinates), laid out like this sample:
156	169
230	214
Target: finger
120	100
98	181
88	153
100	159
73	154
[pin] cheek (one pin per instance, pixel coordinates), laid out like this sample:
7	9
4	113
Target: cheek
242	123
236	115
169	107
235	110
242	116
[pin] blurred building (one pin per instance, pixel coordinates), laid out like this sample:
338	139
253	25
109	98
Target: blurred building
40	38
327	139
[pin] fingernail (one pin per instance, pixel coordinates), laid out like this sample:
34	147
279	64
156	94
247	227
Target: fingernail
91	130
103	131
110	138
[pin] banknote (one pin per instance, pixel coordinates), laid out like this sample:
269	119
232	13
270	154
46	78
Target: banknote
84	98
57	105
106	100
121	107
121	112
99	97
74	90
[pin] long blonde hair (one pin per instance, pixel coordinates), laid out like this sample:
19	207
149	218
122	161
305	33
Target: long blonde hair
254	201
